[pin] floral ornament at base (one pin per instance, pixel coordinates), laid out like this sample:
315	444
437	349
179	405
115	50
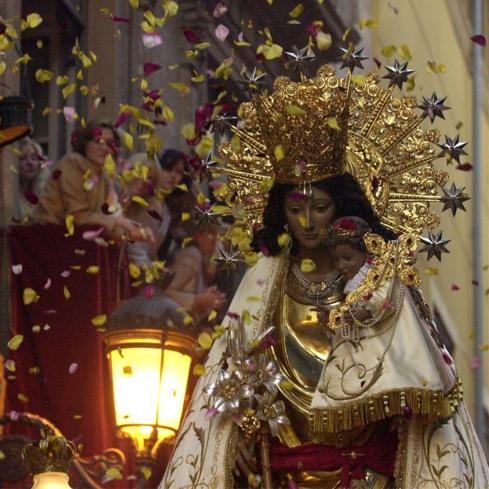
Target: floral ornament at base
246	389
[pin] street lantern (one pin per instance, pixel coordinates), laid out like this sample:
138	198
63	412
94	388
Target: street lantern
150	360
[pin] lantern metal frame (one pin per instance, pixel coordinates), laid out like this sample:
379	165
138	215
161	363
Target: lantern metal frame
163	339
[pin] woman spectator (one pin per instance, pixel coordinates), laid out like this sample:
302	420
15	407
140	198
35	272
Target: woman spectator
141	179
191	286
80	186
32	177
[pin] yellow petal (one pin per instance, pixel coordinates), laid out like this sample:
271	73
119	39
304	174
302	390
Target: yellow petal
128	140
15	342
404	52
296	11
109	165
33	20
70	226
283	240
188	320
188	131
185	216
69	89
29	296
368	23
204	340
198	369
333	123
250	258
323	40
66	293
93	269
279	152
61	80
180	87
307	265
22	397
212	316
294	110
113	473
99	320
389	51
43	76
134	270
134	3
270	51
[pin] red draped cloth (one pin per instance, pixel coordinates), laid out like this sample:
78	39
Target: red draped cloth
61	369
378	454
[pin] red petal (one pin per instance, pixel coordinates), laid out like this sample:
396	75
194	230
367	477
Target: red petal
31	197
464	167
190	35
479	39
122	118
154	214
116	18
150	68
455	287
56	174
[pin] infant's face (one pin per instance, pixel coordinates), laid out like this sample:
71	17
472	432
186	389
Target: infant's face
347	260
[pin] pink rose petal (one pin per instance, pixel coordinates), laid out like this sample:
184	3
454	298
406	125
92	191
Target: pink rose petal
47	284
65	273
73	368
151	40
17	269
221	32
122	118
219	10
90	235
475	363
69	113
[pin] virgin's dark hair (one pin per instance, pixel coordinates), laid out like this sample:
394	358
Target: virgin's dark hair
349	200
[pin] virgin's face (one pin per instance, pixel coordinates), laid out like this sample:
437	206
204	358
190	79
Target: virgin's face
98	148
309	216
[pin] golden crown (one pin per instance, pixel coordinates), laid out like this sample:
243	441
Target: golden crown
316	128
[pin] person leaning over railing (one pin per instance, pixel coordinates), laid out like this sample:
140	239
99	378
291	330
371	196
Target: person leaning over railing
79	185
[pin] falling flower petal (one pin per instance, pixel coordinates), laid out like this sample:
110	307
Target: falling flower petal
99	320
464	167
90	235
93	270
475	363
219	10
10	365
150	68
65	273
123	20
199	370
307	265
479	39
151	40
15	342
31	197
66	293
149	291
73	368
190	35
204	340
455	287
69	113
221	32
29	296
17	269
47	284
69	223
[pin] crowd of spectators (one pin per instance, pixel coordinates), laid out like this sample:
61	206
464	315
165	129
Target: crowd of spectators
139	202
